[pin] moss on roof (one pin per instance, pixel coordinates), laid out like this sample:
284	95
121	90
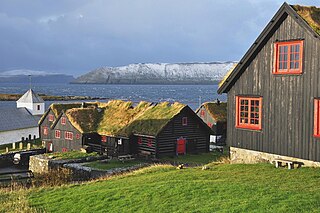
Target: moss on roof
217	111
120	118
85	119
310	14
227	74
153	119
118	114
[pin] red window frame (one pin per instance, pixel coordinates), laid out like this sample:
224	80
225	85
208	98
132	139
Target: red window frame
50	118
288	57
63	120
140	140
77	136
104	139
45	130
68	135
249	112
202	113
316	129
149	144
185	121
57	133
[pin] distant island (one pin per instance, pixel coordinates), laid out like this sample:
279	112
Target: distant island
158	73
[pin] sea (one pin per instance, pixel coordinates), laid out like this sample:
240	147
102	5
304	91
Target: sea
192	95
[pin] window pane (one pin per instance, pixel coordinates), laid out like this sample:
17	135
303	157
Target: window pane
291	65
296	66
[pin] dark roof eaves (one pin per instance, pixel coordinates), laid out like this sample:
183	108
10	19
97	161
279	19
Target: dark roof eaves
284	10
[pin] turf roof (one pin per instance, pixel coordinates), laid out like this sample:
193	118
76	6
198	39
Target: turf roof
310	14
121	118
217	111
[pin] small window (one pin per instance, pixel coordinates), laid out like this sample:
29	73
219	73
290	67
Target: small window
77	136
140	140
57	133
248	112
149	144
45	130
38	107
103	139
63	121
185	121
68	135
51	117
316	130
202	113
288	57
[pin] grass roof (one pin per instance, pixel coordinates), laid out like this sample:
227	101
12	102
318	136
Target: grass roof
227	74
310	14
153	119
120	118
58	108
217	111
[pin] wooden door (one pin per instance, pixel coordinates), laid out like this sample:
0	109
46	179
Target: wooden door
181	146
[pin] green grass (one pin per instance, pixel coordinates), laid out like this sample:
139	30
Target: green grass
113	164
70	155
222	188
203	158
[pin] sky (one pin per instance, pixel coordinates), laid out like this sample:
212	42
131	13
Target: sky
76	36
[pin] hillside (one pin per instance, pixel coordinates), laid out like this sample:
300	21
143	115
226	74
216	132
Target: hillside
222	188
162	73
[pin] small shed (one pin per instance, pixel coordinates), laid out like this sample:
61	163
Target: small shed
214	114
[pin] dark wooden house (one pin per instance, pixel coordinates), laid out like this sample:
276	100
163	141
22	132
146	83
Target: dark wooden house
119	128
214	114
273	92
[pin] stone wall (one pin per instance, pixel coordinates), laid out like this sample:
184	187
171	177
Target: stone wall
246	156
39	164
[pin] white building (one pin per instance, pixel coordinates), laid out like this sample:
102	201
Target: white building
21	123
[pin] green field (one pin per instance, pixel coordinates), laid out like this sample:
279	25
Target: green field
163	188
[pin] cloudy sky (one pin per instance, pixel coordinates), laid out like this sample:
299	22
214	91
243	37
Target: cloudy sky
76	36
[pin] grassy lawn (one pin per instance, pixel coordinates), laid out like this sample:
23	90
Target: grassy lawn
70	155
221	188
113	164
202	158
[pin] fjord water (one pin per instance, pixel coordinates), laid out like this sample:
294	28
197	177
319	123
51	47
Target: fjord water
187	94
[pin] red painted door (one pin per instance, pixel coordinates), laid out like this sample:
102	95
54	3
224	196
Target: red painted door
181	146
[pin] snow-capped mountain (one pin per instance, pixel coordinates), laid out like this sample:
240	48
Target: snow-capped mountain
160	73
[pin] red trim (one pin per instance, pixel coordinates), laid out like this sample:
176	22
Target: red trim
57	133
45	130
316	130
68	135
149	144
286	57
77	136
63	120
185	121
64	150
103	139
248	113
140	140
50	118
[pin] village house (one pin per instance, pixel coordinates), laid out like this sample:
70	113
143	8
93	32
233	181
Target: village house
120	128
274	93
21	123
214	114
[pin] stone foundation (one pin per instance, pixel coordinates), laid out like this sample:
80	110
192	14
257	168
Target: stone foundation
246	156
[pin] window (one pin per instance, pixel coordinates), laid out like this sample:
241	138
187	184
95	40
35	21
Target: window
63	121
57	133
248	112
202	113
38	107
184	121
68	135
77	136
51	118
139	140
288	57
316	131
149	144
45	130
103	139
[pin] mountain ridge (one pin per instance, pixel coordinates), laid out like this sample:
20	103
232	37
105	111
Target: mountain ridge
158	73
